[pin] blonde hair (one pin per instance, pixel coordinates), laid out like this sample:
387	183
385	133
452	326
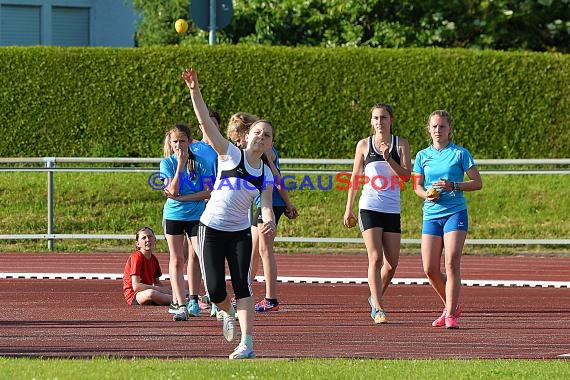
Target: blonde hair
446	116
239	125
167	149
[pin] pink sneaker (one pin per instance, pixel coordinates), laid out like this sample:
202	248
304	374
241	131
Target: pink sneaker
440	321
451	322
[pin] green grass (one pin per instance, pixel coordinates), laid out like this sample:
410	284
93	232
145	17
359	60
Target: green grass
105	368
509	207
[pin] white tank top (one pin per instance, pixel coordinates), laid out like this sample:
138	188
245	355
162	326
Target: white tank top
382	191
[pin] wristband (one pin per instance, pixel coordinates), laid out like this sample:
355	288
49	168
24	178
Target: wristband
456	186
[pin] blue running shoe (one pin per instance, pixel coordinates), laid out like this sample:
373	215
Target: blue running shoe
378	315
193	308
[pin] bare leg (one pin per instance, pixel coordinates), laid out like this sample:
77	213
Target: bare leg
176	266
267	254
151	296
245	314
454	242
373	241
193	271
432	247
391	244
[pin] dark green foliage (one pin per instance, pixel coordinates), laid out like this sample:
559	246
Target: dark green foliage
534	25
119	102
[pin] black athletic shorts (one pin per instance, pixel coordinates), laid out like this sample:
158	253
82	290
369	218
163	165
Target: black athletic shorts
388	222
180	227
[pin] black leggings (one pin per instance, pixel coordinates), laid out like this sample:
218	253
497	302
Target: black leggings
215	247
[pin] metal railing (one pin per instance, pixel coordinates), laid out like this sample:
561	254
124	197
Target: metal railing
49	165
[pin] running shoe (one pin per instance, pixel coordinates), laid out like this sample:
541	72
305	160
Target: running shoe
440	321
266	305
173	308
242	352
229	328
203	305
181	314
452	322
378	315
193	308
214	310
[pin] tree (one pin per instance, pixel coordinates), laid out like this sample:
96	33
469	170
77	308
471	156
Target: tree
539	25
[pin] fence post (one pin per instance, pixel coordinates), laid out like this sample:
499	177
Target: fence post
50	163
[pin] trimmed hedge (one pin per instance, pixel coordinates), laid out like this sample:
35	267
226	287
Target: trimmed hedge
119	102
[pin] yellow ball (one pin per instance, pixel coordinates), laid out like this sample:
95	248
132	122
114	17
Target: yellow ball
351	222
181	26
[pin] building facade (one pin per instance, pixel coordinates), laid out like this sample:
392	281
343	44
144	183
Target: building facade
67	23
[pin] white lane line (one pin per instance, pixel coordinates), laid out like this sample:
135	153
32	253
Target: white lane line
296	279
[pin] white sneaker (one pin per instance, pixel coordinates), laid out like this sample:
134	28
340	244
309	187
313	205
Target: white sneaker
229	326
242	352
213	310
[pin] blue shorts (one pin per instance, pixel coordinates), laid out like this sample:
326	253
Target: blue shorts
440	226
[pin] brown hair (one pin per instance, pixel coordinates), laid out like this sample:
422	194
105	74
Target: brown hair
385	107
167	149
216	116
264	156
141	230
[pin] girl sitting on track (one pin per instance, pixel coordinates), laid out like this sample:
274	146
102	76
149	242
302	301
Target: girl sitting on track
141	276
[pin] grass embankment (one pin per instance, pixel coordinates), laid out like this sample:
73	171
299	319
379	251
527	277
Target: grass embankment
508	207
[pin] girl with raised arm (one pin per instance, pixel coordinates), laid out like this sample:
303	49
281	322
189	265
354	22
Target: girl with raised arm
224	234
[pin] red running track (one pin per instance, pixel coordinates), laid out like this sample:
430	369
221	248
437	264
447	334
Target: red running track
85	318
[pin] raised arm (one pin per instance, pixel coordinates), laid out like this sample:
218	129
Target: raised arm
219	143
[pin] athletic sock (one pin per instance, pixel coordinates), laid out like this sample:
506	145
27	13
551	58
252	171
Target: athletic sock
247	340
232	311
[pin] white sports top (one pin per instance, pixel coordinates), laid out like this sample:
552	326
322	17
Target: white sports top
237	184
382	192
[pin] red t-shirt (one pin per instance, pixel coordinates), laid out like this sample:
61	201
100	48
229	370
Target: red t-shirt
146	269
